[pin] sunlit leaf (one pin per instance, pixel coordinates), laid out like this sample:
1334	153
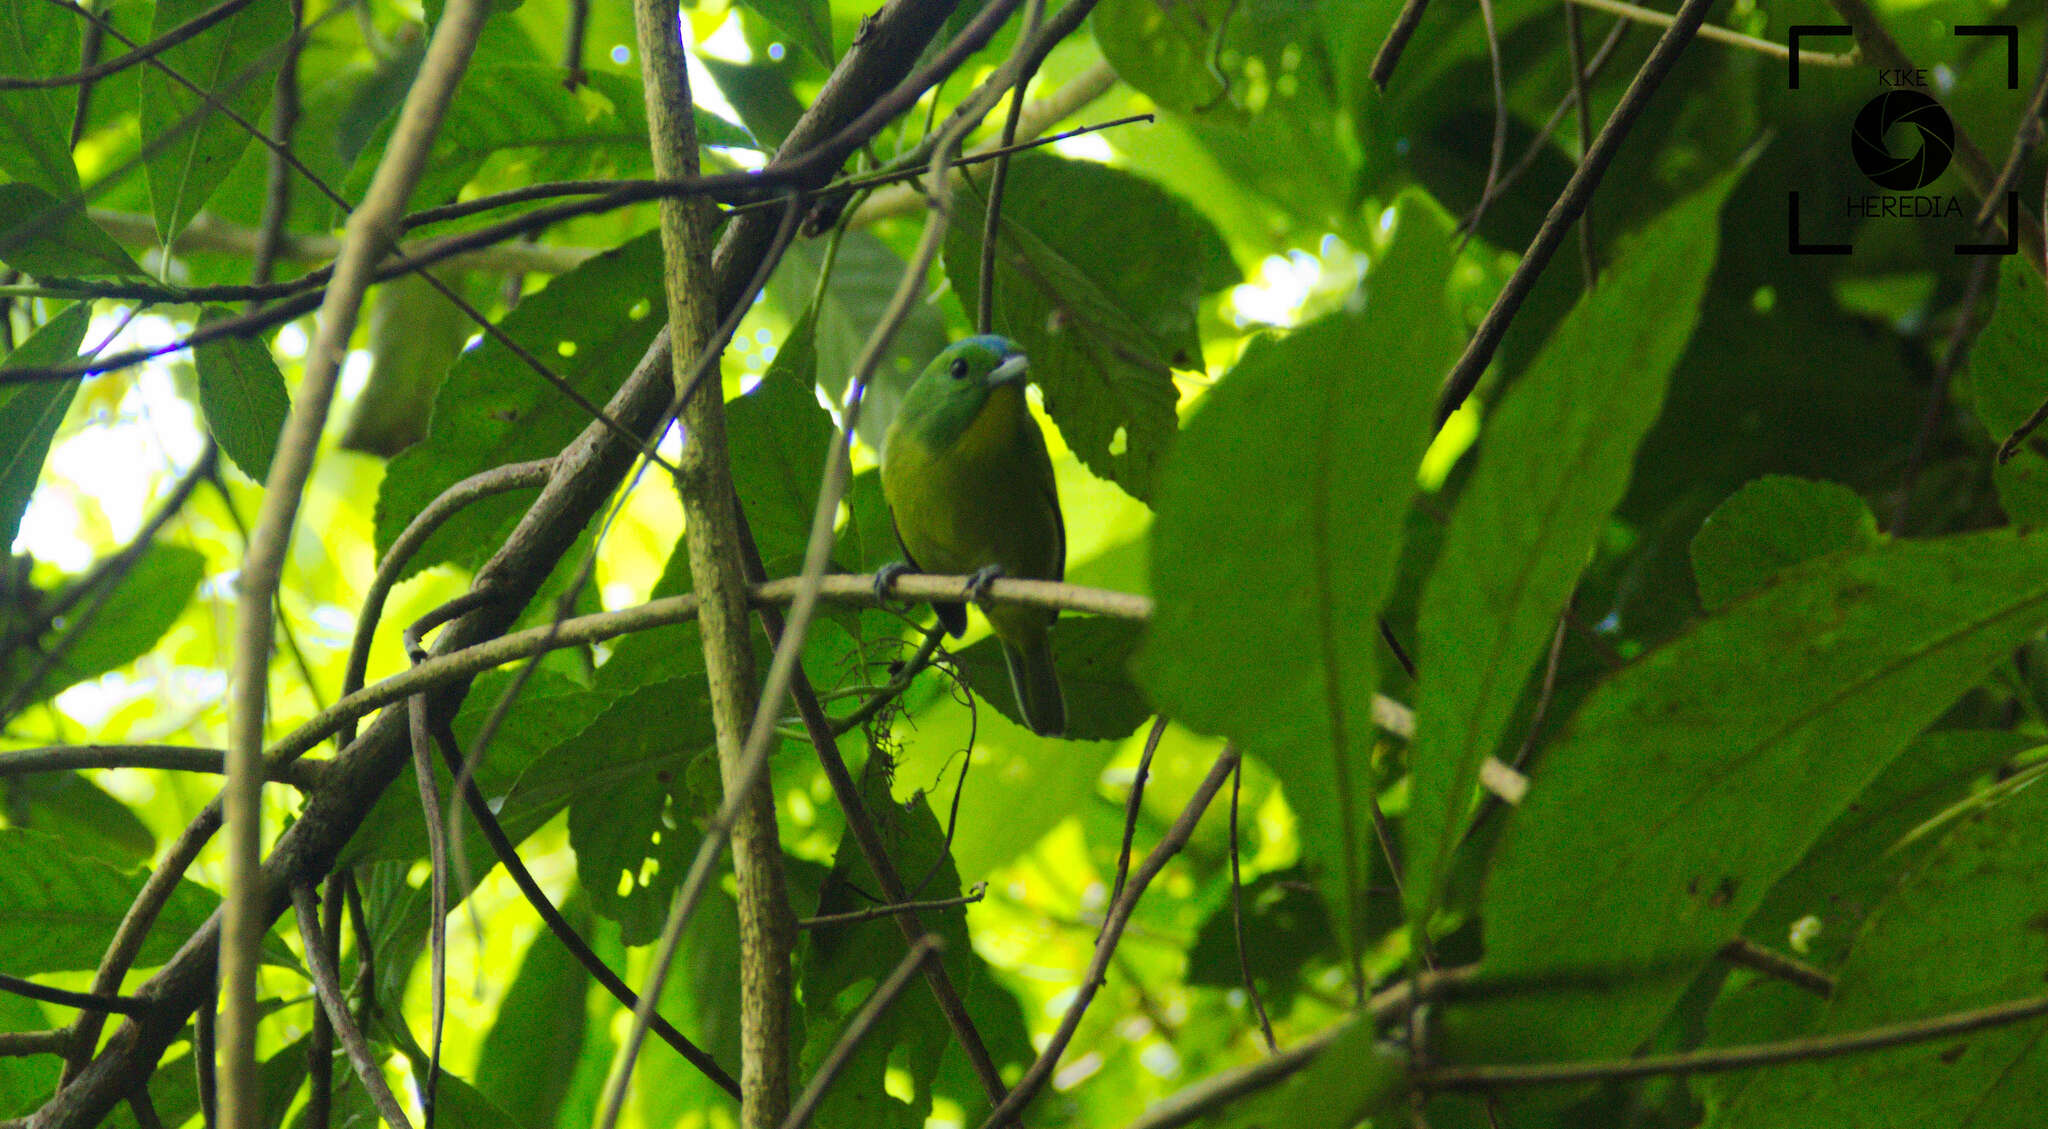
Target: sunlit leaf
30	413
235	62
243	396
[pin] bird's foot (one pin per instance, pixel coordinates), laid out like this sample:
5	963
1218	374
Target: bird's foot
885	580
978	584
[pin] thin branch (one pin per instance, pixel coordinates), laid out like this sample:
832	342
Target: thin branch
1389	55
208	232
1716	1060
1960	337
284	121
370	231
1748	954
303	775
1718	34
1133	806
1575	53
84	1001
985	297
1176	837
1537	143
483	484
184	31
327	986
16	1044
1244	968
320	1044
1570	203
855	917
858	1028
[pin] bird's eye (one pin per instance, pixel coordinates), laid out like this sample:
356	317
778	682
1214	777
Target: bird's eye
958	369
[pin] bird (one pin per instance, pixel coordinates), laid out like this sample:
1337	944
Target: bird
970	490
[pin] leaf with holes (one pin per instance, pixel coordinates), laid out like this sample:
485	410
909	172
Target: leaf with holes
1098	276
590	326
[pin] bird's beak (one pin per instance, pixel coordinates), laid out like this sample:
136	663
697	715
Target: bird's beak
1011	371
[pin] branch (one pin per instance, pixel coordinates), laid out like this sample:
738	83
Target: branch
150	50
767	927
86	1001
1176	837
327	987
855	917
1718	1060
303	775
1578	192
857	1030
371	227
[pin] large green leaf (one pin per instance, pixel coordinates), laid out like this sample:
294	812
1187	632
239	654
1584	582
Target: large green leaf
58	910
1554	462
2009	372
149	599
30	413
809	22
540	1029
234	62
38	41
50	238
1769	525
243	396
779	437
591	326
1279	528
1963	931
1690	782
1105	320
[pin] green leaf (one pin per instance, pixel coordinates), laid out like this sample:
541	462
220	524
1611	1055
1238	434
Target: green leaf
1553	464
1963	931
1170	51
1695	778
600	129
843	965
780	436
26	1081
234	61
149	600
1354	1079
30	413
48	238
415	336
760	92
1768	526
69	806
58	910
808	22
1279	529
1104	320
1286	926
591	326
1093	656
2009	372
243	396
37	41
540	1027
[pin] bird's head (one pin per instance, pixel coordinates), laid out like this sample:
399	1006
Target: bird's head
953	389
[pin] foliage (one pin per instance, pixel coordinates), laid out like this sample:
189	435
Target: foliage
1681	690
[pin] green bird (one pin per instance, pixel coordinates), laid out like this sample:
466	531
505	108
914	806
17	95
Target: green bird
970	490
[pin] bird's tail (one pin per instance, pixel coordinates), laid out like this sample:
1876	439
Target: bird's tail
1037	684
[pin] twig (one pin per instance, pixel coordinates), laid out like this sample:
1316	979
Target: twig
84	1001
1742	951
208	232
1132	807
857	1030
1537	143
1575	52
1176	837
320	1044
1960	337
15	1044
1497	151
1717	1060
370	230
1389	54
1572	201
303	775
855	917
573	75
184	31
898	682
1244	967
991	226
284	120
1718	34
327	986
483	484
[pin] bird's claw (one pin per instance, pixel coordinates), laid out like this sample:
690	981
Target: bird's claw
979	583
885	580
